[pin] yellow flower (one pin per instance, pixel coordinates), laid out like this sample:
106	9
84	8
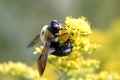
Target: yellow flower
18	70
77	25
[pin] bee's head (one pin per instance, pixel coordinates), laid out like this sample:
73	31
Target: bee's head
54	26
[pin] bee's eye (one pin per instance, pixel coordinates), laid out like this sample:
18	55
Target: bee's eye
56	26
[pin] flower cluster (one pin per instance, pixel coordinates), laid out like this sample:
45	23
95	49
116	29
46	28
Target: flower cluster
79	65
18	71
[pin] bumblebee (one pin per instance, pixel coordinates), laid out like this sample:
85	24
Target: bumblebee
50	36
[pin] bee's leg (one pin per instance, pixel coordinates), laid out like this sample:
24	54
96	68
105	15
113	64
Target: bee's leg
34	41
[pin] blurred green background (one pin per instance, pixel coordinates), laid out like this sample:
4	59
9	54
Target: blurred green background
20	21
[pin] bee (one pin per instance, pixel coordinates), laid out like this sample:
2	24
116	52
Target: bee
50	36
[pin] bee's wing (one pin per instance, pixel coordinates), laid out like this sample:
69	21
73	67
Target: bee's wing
34	41
39	38
42	60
